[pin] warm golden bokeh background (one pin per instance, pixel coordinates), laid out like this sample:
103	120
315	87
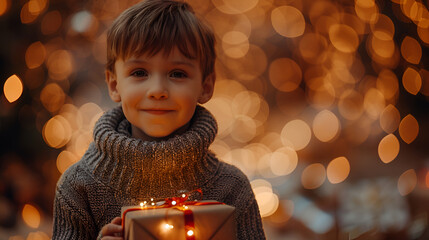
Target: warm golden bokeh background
323	104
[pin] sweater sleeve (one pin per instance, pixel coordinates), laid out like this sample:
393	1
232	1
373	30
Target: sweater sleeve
249	223
72	219
248	217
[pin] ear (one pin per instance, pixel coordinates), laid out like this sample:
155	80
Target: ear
208	88
112	83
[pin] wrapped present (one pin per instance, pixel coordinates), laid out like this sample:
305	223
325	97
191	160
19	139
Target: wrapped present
179	219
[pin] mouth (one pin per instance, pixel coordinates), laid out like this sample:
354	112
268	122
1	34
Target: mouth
157	111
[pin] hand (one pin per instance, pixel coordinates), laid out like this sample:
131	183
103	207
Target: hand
112	230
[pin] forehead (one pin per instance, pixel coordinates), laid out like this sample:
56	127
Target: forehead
172	56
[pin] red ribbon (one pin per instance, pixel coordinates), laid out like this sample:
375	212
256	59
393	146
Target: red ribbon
175	203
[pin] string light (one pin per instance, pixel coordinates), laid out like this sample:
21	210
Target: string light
168	226
190	233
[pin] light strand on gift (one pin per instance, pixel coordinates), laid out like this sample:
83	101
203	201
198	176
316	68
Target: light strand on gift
175	203
168	226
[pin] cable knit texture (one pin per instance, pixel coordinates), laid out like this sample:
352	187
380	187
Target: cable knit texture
119	170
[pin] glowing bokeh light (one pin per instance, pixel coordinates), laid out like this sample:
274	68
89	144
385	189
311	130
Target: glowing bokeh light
39	235
35	55
297	133
407	182
367	10
60	64
84	22
374	103
409	128
389	119
234	7
323	14
221	108
412	81
338	170
411	50
283	161
65	159
387	83
250	66
388	148
285	74
26	16
343	38
268	201
321	93
4	6
57	132
52	97
383	28
423	33
246	103
326	126
235	44
13	88
381	47
243	129
313	176
51	22
312	48
31	216
288	21
37	6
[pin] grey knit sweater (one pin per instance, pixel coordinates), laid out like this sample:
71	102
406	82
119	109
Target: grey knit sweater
118	170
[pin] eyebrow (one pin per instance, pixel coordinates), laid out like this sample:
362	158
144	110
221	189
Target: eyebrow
175	62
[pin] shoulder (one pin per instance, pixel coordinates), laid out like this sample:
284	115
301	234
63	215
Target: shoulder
230	185
74	179
232	172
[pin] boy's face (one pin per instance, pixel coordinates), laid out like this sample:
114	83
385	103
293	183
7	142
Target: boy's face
159	94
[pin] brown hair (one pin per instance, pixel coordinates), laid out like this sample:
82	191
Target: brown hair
160	25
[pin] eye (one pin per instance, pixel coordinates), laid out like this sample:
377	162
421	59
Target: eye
178	74
139	73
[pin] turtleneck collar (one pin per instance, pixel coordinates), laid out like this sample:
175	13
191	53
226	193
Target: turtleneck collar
144	169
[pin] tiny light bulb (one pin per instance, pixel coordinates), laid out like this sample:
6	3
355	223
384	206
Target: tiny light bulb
151	199
190	233
141	204
168	226
173	202
183	195
153	203
185	207
144	202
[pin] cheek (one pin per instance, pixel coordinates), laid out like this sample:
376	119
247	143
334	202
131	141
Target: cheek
132	94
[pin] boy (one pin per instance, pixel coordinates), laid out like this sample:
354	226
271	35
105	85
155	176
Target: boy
155	144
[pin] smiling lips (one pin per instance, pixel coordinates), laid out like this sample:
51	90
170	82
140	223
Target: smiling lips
157	111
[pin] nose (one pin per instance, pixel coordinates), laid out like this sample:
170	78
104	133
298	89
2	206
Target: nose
157	89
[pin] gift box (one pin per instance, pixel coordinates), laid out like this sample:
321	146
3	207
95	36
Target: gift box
188	220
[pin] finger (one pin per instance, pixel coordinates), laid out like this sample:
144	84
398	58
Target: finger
112	238
117	220
110	229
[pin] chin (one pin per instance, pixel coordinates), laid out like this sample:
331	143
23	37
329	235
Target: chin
158	134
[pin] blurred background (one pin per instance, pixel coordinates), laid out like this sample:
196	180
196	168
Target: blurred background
323	104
